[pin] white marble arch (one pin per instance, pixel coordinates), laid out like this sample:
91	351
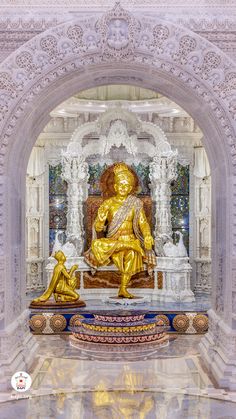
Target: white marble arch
151	53
101	126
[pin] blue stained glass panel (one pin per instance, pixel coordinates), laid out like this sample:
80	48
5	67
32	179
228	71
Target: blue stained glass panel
57	203
180	205
143	175
95	172
56	184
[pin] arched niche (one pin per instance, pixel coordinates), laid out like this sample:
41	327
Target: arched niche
148	52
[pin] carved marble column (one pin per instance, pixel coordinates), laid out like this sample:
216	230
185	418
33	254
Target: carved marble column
75	173
162	172
202	215
35	232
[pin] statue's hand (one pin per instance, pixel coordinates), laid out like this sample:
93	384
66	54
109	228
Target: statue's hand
148	242
73	269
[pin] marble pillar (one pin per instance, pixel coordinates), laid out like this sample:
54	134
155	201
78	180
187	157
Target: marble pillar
75	173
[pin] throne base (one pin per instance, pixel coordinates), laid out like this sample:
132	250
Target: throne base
127	301
183	318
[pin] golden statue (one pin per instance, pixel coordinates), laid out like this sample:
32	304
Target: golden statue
62	284
128	242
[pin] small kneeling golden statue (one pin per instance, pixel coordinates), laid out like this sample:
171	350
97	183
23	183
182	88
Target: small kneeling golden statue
62	285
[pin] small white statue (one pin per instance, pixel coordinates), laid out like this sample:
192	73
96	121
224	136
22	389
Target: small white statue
170	250
57	243
68	248
174	250
181	247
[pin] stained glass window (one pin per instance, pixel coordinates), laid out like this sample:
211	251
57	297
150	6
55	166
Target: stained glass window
57	204
180	204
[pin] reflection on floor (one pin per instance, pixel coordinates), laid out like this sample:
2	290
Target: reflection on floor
84	383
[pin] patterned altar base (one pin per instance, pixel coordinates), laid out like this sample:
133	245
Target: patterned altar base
118	328
182	318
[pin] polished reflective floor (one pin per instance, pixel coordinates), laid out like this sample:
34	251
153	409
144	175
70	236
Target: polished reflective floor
202	303
88	383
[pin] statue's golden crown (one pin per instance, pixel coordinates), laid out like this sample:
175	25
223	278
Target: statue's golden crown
120	167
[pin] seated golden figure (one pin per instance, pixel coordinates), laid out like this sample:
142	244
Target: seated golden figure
128	241
62	284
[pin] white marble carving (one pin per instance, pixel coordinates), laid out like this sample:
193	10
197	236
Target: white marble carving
75	173
116	127
202	216
35	230
176	280
68	248
118	136
117	34
203	276
175	250
162	172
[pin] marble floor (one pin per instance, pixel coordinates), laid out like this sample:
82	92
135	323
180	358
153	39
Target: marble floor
202	303
86	382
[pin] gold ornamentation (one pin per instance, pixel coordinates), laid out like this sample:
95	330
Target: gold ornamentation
62	284
164	318
37	322
58	323
76	320
117	329
200	323
181	323
123	173
128	242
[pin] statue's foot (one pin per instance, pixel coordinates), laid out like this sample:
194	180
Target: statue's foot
61	298
123	293
65	299
41	299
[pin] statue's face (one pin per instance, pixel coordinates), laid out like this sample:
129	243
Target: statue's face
123	187
59	256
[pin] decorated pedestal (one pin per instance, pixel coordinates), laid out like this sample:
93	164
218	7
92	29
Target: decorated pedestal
176	280
121	327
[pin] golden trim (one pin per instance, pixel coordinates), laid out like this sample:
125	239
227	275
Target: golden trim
119	329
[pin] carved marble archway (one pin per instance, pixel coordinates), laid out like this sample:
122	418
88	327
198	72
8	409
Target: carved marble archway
119	47
102	126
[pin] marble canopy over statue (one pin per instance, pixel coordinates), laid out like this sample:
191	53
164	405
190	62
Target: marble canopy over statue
118	129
